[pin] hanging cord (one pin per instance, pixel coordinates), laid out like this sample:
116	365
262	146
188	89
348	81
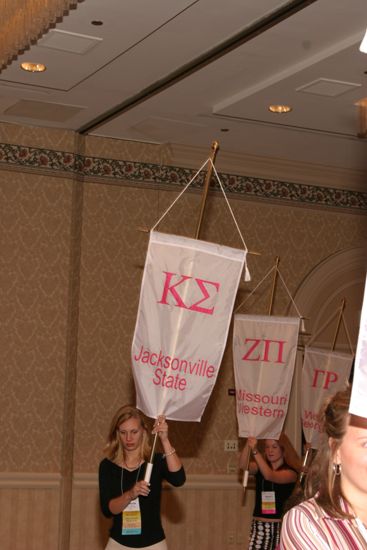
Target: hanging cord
209	160
289	294
160	178
327	323
260	283
348	335
247	276
178	196
254	290
229	206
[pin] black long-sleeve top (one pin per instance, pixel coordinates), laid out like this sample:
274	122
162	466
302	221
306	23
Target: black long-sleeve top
110	477
282	492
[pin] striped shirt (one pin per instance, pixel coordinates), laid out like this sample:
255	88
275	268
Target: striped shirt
309	527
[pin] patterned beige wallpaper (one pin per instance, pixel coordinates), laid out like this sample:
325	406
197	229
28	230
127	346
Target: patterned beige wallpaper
35	240
71	265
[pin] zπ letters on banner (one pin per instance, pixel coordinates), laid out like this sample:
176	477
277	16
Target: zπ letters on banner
264	352
358	401
323	373
186	302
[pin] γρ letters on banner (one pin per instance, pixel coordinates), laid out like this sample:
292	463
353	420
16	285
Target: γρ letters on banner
323	373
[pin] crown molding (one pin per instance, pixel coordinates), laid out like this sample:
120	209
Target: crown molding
269	167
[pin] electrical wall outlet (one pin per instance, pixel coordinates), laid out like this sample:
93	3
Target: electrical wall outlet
231	445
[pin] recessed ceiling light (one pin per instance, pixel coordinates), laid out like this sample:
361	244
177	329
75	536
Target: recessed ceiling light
33	67
279	108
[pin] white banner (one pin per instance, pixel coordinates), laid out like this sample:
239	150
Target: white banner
264	352
186	302
358	402
324	373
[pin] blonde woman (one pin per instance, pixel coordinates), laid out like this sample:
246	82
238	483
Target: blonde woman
133	503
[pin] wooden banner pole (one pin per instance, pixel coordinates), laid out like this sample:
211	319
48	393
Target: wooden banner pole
208	177
277	260
304	464
246	470
338	324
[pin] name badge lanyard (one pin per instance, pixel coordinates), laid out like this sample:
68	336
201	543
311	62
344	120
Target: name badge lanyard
268	505
131	515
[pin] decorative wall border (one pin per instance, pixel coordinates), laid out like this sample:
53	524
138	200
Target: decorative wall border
119	171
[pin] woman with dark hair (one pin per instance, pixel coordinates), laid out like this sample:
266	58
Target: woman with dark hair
276	475
335	515
133	503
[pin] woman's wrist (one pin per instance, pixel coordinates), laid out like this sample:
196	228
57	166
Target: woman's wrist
168	449
254	451
170	452
166	445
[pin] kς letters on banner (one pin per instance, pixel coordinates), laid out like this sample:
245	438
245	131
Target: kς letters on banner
358	402
324	373
264	352
186	302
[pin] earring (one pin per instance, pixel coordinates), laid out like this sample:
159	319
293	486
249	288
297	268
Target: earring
337	469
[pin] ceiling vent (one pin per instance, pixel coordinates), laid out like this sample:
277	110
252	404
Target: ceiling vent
69	41
328	87
40	110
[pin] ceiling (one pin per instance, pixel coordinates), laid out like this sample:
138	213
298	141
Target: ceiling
188	72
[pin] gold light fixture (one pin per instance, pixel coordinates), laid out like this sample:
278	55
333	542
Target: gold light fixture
33	67
23	22
280	108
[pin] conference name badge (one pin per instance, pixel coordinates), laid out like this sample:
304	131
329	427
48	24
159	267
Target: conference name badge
131	518
268	502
